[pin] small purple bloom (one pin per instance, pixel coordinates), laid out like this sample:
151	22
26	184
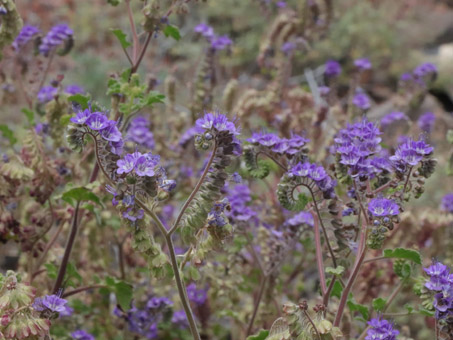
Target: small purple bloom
381	329
205	30
111	132
332	68
304	217
139	132
97	121
179	319
197	296
362	64
50	302
393	117
426	122
425	69
73	89
381	207
362	101
447	203
55	37
81	117
133	215
281	4
159	302
27	33
221	42
47	93
127	164
288	47
82	335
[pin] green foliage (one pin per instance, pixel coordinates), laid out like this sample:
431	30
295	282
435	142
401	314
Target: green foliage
402	253
30	116
335	271
260	336
11	23
356	307
172	31
122	290
256	168
122	37
379	304
80	194
81	100
8	134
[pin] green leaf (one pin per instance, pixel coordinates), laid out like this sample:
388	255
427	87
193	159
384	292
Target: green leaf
81	100
410	309
356	307
8	133
122	290
52	270
80	194
402	253
193	273
260	336
122	37
426	312
172	31
335	271
30	115
337	290
379	304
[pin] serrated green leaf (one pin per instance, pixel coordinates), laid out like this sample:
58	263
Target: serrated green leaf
379	304
402	253
356	307
122	37
8	134
71	272
80	194
122	290
52	270
172	31
30	115
335	271
81	100
337	290
260	336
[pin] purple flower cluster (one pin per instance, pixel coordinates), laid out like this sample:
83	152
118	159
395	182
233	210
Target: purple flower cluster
318	174
381	329
82	335
287	146
217	42
27	33
74	89
302	218
410	153
332	68
441	283
47	93
55	37
383	207
52	303
197	296
139	133
362	64
216	217
217	122
239	197
179	319
447	203
426	122
424	70
99	123
139	164
392	117
356	144
361	100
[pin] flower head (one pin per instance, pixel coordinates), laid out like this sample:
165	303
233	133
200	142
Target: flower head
332	68
362	64
55	37
47	93
197	296
74	89
362	101
27	33
81	335
447	203
425	69
97	121
302	218
393	117
51	303
381	329
217	123
139	132
380	207
410	153
81	117
205	30
221	42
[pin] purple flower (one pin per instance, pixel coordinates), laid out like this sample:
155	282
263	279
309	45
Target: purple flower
81	117
362	101
144	165
158	302
217	122
447	203
55	37
362	64
73	89
117	147
288	47
410	153
97	121
381	329
111	132
406	77
81	335
50	302
68	311
47	93
239	197
301	170
139	132
393	117
332	68
281	4
425	69
426	122
381	207
317	173
205	30
127	164
133	215
268	139
179	318
441	282
304	217
27	33
221	42
197	296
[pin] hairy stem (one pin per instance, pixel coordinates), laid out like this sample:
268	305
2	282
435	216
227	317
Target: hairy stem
319	260
194	192
257	304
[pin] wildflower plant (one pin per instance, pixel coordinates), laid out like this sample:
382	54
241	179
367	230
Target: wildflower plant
194	205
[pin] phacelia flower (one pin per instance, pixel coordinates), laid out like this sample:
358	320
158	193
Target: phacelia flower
362	64
425	69
380	207
133	214
288	47
143	164
81	335
81	117
217	122
27	33
179	319
302	218
55	37
197	296
393	117
139	132
381	329
332	68
441	284
97	121
239	197
205	30
426	121
73	89
410	153
158	302
47	93
362	101
51	303
221	42
447	203
318	174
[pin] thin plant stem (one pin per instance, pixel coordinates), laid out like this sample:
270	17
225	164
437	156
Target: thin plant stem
142	53
194	192
46	71
134	32
257	304
378	258
81	289
319	260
